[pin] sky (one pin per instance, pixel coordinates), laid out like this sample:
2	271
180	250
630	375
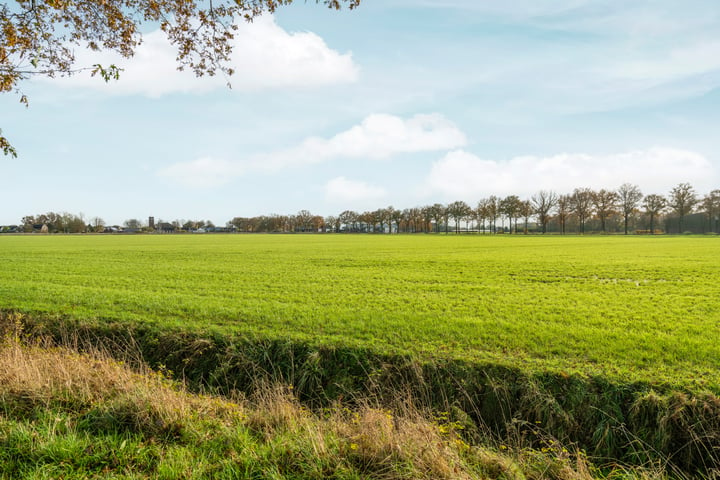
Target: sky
399	102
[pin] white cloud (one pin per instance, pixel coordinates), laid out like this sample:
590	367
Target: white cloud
351	192
460	174
204	172
265	56
378	136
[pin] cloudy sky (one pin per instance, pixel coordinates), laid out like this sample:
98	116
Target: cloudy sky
400	102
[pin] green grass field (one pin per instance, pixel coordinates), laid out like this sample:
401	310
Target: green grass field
629	308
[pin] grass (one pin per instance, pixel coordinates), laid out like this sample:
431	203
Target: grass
71	415
629	309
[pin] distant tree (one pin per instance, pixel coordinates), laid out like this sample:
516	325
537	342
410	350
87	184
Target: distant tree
492	206
682	200
711	206
563	210
133	223
72	223
437	212
605	203
349	218
481	215
458	210
427	215
411	220
332	223
543	202
581	206
304	220
98	224
654	205
510	207
366	220
55	222
383	217
526	211
282	223
445	218
317	222
241	223
397	217
629	197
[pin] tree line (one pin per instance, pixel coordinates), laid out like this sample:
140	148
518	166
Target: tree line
624	210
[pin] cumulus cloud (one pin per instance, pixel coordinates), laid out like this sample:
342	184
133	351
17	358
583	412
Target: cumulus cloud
346	191
378	136
460	174
265	56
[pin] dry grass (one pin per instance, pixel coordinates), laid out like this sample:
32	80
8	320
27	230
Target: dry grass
369	440
373	440
41	374
281	436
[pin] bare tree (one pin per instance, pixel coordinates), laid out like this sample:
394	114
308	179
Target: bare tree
564	208
427	214
543	202
97	224
396	216
654	205
481	216
490	207
682	199
526	210
581	205
629	197
510	207
711	207
605	203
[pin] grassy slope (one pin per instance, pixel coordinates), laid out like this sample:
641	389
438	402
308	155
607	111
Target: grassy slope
75	416
631	309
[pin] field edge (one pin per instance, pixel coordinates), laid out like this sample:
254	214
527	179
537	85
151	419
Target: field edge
635	424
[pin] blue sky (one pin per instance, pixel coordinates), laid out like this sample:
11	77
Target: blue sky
400	102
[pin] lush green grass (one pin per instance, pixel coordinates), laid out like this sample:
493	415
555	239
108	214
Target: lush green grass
629	308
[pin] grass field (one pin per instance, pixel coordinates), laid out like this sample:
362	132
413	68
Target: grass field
629	308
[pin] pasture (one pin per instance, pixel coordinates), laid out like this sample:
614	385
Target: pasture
632	309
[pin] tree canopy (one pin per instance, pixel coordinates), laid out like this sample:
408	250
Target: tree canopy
37	36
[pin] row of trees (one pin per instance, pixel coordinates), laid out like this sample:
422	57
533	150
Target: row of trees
54	222
580	211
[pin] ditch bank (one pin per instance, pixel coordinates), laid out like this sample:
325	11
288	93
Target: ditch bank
633	424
